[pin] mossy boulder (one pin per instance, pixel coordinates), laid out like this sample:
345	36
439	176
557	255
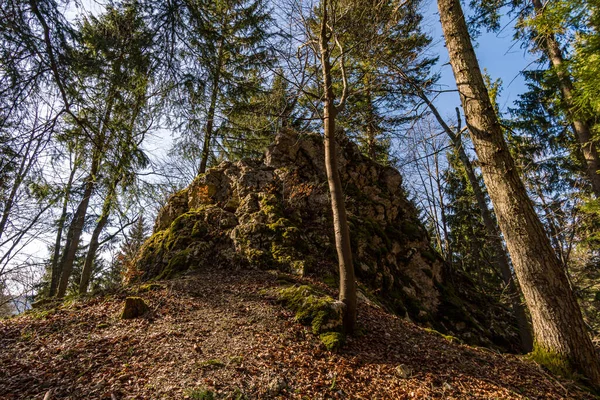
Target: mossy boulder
313	308
317	310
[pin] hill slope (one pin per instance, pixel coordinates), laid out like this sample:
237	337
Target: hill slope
223	331
275	213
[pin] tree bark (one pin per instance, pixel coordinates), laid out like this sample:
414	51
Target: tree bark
88	265
582	129
557	321
338	206
76	227
54	270
74	233
501	259
214	95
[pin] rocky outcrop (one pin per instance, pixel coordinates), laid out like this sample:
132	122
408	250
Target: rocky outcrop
275	214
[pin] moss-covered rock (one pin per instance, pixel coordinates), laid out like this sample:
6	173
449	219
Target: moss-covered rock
317	310
276	214
332	340
313	308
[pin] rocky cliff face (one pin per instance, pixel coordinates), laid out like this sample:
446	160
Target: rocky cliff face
275	214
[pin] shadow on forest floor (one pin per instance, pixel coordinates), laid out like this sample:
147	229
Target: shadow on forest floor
218	331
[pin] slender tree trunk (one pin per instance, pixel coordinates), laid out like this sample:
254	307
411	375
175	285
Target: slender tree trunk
557	321
338	206
88	265
54	270
501	259
214	95
76	227
443	218
74	233
24	168
582	129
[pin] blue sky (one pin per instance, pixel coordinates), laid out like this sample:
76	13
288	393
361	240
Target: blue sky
497	53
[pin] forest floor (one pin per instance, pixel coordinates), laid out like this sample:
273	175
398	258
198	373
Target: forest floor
221	334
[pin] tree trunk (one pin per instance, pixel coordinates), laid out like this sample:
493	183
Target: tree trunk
582	129
54	270
88	265
338	207
74	233
557	322
214	95
76	227
443	218
501	259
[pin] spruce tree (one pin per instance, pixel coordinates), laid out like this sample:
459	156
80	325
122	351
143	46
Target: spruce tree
113	67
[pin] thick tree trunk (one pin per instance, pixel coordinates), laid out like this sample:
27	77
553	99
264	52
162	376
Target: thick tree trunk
76	227
582	129
338	206
54	269
557	322
210	118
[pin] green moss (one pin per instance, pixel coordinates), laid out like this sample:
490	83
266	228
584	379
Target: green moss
178	263
200	394
429	255
149	287
411	230
332	340
555	363
450	338
153	245
236	360
271	207
40	314
311	307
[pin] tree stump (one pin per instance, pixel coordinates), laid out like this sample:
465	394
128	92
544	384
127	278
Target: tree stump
134	307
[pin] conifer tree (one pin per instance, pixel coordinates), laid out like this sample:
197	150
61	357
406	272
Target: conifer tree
113	65
227	50
251	123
